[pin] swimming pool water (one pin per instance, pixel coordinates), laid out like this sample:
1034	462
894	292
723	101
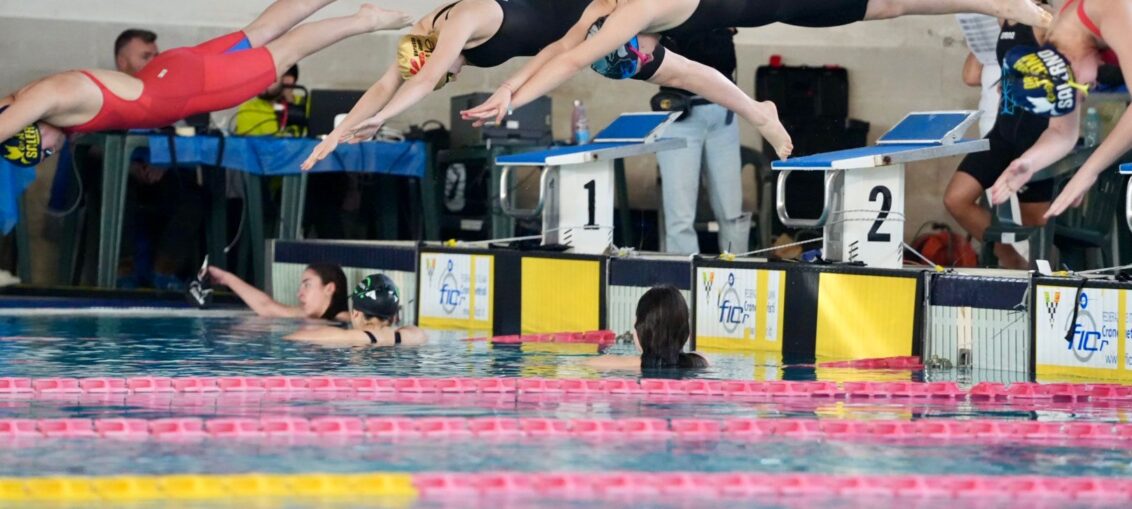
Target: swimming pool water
234	456
546	405
123	345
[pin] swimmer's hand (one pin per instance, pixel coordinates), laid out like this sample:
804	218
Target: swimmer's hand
1012	179
325	148
219	276
365	130
1073	193
497	106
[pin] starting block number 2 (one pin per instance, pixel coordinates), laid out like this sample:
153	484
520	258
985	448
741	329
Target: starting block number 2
884	194
870	198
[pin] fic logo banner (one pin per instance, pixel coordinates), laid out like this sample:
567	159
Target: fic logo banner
456	291
739	309
1081	334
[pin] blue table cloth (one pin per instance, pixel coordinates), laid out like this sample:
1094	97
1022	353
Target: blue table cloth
282	156
13	183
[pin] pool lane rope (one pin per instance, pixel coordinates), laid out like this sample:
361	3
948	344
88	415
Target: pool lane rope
979	431
347	387
567	485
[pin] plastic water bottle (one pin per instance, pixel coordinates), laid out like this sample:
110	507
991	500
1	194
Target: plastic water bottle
1092	130
579	124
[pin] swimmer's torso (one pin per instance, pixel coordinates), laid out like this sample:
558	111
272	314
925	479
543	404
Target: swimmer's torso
179	83
525	28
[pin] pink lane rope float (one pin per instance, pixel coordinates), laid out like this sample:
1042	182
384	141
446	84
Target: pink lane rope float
603	485
453	428
602	338
888	363
985	391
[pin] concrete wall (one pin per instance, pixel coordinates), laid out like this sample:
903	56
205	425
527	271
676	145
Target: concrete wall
895	67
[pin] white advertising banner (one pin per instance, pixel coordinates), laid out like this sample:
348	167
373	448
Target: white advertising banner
739	308
456	290
1085	339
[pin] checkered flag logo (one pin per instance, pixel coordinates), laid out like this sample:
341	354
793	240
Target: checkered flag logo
1051	305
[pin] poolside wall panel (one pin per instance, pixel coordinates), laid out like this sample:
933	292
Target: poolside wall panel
511	292
1095	345
358	260
979	323
807	312
630	278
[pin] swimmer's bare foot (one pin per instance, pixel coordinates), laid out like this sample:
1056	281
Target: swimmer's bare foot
773	131
382	19
1023	11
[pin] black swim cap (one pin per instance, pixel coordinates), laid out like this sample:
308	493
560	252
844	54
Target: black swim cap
377	295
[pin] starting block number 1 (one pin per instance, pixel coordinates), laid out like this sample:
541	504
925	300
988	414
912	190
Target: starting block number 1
591	192
580	212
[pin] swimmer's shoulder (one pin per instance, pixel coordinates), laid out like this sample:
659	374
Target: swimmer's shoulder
411	335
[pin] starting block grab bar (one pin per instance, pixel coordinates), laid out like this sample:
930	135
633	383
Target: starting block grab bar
791	222
1128	206
505	191
1126	169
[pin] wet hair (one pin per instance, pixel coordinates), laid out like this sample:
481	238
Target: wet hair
293	72
662	327
126	36
332	273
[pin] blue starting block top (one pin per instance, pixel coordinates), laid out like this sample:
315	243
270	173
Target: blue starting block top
918	137
930	128
1126	169
629	135
880	155
643	127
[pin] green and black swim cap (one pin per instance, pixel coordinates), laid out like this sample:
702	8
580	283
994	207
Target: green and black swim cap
377	295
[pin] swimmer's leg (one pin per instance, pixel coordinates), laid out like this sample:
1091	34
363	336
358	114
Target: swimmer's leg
1021	11
313	37
279	17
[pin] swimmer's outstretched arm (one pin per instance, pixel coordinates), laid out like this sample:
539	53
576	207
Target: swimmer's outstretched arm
1061	135
624	23
679	72
1055	142
1115	145
29	105
371	102
499	104
260	302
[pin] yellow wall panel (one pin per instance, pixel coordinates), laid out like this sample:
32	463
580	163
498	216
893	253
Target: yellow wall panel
864	317
560	295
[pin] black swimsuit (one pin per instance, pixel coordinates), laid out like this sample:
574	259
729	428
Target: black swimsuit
373	338
756	13
528	27
716	14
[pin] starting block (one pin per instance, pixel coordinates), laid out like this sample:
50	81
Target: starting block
576	185
863	214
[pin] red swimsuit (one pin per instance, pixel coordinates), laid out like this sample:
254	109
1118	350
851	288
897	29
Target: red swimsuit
1084	17
183	82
